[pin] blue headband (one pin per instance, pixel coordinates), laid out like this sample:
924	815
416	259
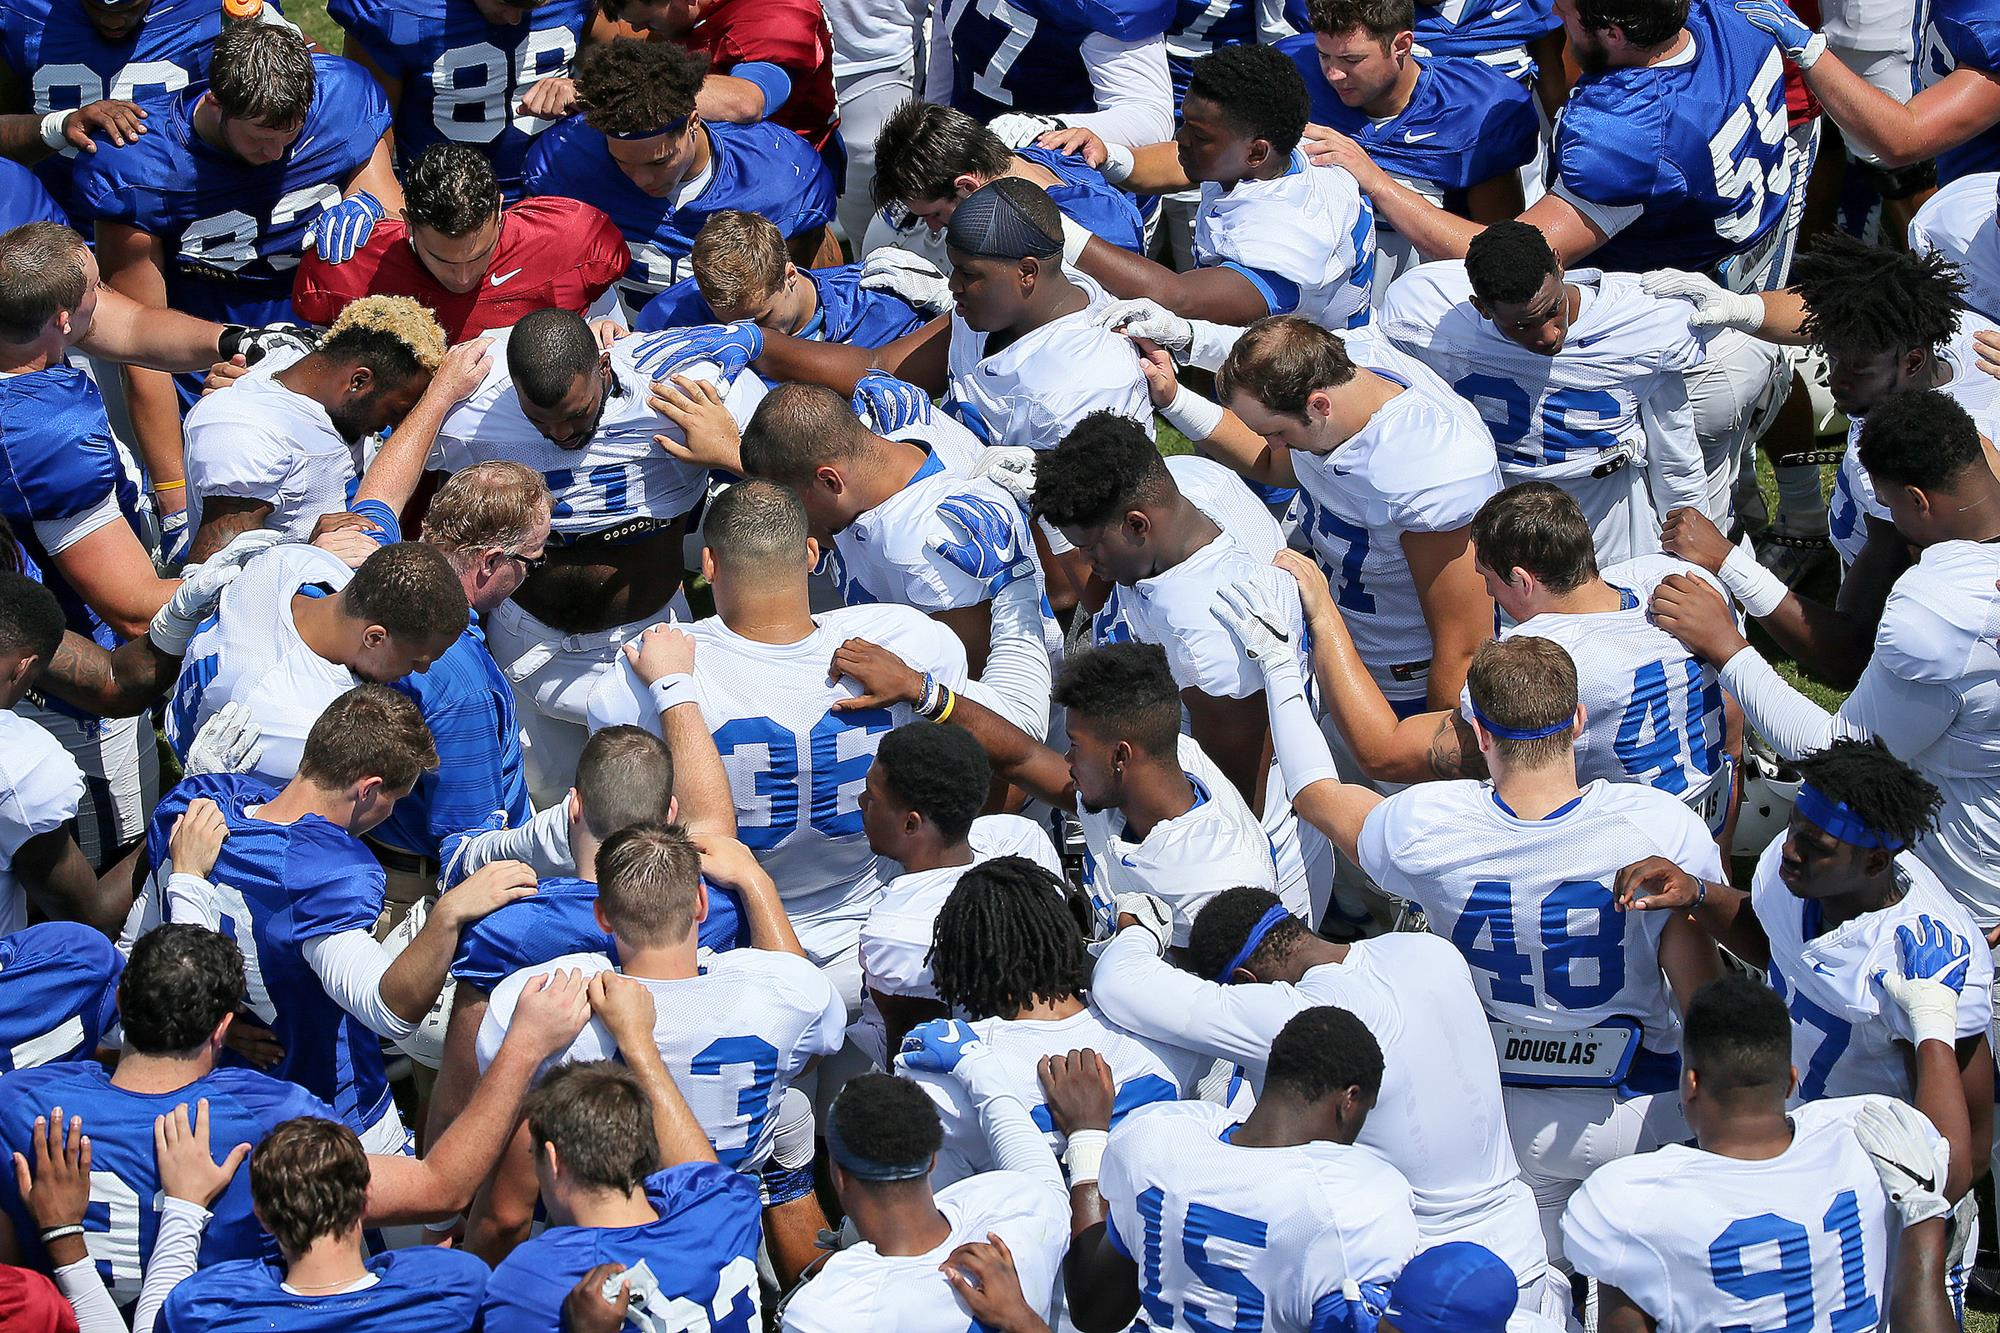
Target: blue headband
1839	820
861	1167
1521	733
671	127
1256	936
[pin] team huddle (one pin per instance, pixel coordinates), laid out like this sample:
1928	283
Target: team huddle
1025	665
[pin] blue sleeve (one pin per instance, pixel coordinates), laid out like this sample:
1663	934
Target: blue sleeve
468	784
335	884
1281	295
723	929
773	82
1126	20
1606	160
677	307
390	531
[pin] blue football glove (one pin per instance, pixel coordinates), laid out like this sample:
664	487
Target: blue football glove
1933	952
345	228
938	1046
890	404
1800	42
730	346
985	543
175	538
451	855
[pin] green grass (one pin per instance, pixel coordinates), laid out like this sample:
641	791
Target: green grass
311	17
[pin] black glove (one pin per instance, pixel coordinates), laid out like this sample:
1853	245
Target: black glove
254	344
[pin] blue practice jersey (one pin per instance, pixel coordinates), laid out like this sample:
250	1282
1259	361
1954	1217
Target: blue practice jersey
232	231
1107	211
846	314
1690	155
24	199
416	1290
1027	55
1465	123
276	887
702	1252
60	464
1478	27
763	169
58	57
1201	26
58	994
461	76
124	1215
557	921
1962	34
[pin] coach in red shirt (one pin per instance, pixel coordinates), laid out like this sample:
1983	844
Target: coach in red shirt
791	34
478	265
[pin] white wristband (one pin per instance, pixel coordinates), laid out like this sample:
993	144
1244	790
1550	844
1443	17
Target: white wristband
1118	163
672	691
1193	415
1075	237
1084	1155
1757	588
52	129
1814	49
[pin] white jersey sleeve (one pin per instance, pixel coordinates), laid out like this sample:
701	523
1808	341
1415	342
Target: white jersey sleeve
261	441
1305	240
41	789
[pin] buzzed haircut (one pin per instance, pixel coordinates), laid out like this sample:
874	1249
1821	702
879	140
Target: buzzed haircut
1539	527
738	258
1509	262
647	875
1225	922
1322	1052
1258	90
940	772
410	590
41	272
262	73
371	731
1525	683
1102	468
1737	1036
923	148
797	429
624	776
31	619
756	525
635	87
548	351
1281	361
451	189
600	1122
1383	20
1920	438
1127	690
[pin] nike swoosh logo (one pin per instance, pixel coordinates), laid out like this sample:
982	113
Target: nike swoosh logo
1505	11
499	278
1822	968
1413	137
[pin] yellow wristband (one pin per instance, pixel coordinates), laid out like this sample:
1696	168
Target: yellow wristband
950	702
164	486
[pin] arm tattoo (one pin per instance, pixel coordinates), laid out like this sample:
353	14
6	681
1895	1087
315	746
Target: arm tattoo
1452	752
224	516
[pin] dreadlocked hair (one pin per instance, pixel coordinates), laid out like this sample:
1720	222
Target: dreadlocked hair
1226	920
1864	300
1011	933
1884	791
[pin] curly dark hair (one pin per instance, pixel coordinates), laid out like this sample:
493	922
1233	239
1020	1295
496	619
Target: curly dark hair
180	982
1258	90
451	189
1323	1051
1508	262
629	87
1011	933
31	619
1884	791
1102	467
1225	921
1867	300
940	772
887	1120
1920	438
1126	688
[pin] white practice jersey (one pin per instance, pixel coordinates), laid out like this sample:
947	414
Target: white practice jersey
619	483
1034	389
861	1288
262	441
40	790
1598	418
896	939
1853	501
250	652
1423	463
1846	1031
1652	710
1143	1072
1271	1238
1305	239
1960	223
796	766
1702	1242
734	1037
1218	844
1528	904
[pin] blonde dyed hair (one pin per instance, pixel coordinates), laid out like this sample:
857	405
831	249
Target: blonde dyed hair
396	317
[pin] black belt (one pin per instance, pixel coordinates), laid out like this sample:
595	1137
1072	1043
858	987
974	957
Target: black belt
402	862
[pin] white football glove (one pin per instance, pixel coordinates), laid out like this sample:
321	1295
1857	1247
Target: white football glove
229	742
1018	130
1909	1155
1715	306
1011	467
1255	620
909	276
1148	319
201	588
1150	915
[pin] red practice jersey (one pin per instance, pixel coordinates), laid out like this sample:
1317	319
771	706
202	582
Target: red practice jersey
552	252
791	34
